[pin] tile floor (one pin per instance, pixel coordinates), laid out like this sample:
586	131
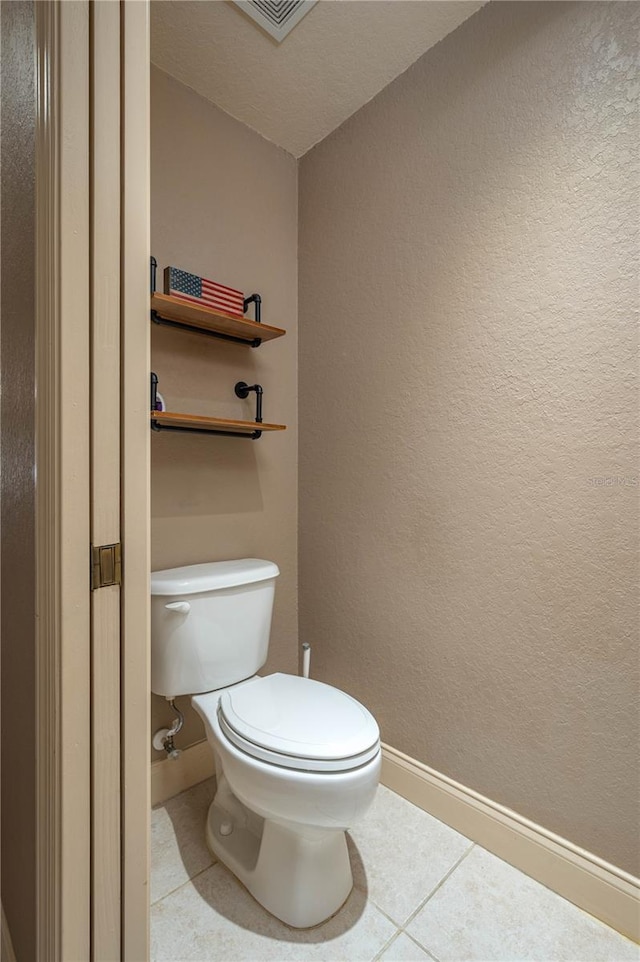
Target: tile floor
422	892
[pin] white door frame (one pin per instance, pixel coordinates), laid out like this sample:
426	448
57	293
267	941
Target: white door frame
136	481
62	489
63	506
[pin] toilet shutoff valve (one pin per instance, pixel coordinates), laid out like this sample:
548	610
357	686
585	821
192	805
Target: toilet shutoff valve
163	738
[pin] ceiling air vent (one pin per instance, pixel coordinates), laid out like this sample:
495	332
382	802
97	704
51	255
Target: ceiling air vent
277	17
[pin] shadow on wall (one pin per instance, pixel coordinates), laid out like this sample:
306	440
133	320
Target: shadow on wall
228	898
191	468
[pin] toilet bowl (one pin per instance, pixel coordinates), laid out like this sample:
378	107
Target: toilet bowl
278	820
297	761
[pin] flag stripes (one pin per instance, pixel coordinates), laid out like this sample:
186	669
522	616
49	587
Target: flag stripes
200	290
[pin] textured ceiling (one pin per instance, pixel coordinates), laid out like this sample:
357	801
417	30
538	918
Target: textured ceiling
295	93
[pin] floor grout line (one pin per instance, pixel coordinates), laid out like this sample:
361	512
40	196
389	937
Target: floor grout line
436	889
382	911
422	947
386	945
182	884
393	938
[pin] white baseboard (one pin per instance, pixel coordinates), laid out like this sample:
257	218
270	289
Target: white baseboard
603	890
170	777
599	888
6	945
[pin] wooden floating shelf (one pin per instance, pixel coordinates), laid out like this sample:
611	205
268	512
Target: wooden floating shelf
199	421
213	322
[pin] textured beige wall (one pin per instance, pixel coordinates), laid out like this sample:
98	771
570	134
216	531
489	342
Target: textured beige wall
468	305
17	488
224	204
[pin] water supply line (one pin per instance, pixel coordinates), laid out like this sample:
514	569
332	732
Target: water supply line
163	738
306	659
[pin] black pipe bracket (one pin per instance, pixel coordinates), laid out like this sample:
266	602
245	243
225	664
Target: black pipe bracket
242	390
158	319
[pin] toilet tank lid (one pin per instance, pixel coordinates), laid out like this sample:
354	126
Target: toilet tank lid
211	576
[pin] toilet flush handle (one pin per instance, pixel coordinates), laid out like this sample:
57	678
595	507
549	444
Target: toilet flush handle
182	606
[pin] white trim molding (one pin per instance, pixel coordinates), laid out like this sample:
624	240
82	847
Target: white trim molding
602	889
63	746
136	477
169	777
47	491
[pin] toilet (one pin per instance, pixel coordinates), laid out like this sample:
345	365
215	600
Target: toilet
297	761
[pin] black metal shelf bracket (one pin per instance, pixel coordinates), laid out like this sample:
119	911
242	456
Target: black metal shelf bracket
257	300
250	435
158	319
242	391
154	392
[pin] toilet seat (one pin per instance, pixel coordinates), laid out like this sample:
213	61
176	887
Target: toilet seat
298	723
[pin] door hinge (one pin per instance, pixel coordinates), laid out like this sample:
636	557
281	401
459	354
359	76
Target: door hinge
106	565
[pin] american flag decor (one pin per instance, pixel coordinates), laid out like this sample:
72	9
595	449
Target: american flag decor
199	290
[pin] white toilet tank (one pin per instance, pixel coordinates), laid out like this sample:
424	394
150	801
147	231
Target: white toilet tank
210	624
